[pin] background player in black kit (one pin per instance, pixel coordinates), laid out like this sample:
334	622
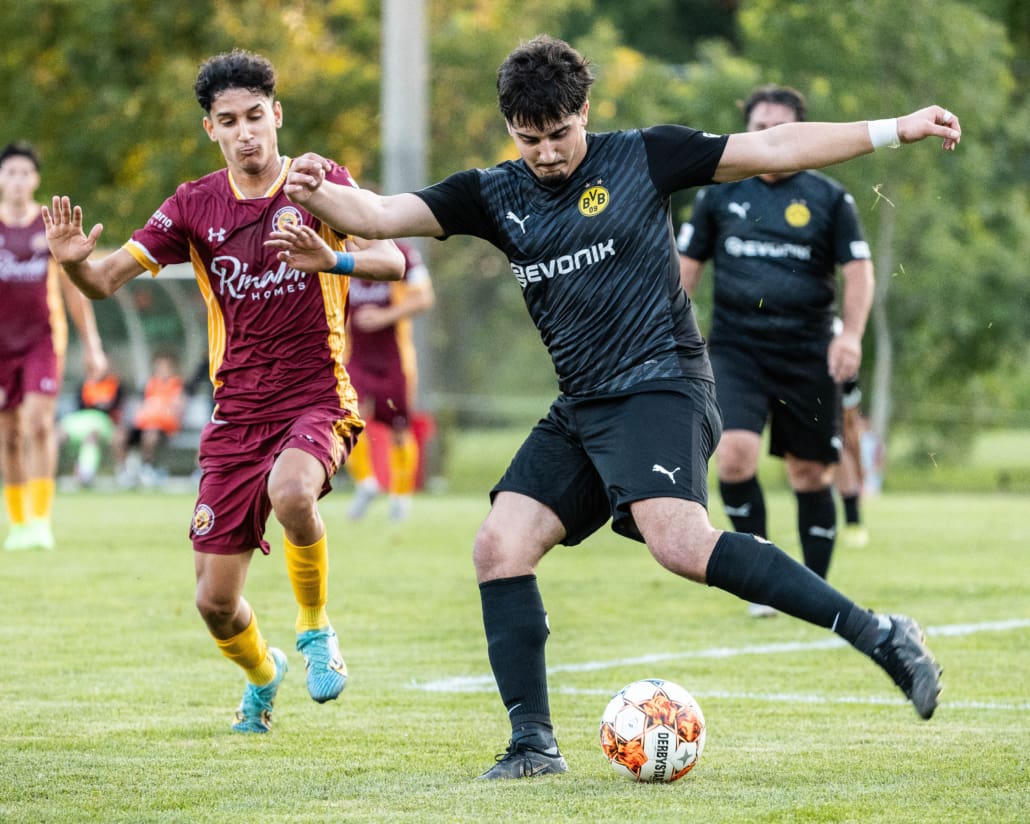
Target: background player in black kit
584	221
776	241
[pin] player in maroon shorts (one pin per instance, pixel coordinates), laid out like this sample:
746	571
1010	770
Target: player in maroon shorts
382	367
285	414
33	337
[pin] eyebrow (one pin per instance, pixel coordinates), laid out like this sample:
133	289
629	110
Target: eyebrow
231	113
551	133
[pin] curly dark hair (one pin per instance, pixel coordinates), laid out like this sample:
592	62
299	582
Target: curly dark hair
542	82
19	149
781	95
237	69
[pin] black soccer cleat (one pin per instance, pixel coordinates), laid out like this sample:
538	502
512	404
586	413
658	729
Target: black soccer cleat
907	659
522	760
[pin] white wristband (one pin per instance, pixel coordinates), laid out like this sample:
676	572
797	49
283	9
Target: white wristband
884	133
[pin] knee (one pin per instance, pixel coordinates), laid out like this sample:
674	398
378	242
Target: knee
291	499
809	476
496	555
215	608
486	546
736	461
11	440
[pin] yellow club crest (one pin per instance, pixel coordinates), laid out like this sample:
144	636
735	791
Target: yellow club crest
797	214
593	201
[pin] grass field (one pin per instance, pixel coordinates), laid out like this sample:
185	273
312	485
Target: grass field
116	704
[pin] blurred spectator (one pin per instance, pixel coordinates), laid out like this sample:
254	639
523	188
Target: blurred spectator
158	417
91	427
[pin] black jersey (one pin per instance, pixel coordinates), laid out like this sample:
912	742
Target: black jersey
595	256
775	247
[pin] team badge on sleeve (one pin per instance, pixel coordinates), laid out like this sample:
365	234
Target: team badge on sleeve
203	519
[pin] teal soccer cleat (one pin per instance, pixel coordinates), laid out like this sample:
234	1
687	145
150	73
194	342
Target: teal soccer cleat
327	674
255	710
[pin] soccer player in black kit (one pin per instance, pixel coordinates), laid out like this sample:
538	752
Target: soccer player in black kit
584	221
776	241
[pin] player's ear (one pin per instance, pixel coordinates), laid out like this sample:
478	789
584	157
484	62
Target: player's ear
277	112
209	128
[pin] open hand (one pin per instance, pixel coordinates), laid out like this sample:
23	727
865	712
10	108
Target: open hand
302	248
68	243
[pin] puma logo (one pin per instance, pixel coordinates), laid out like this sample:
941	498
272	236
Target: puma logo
521	221
739	209
664	471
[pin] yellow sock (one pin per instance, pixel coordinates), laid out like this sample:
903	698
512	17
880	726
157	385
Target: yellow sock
41	497
308	570
403	465
359	462
249	650
14	498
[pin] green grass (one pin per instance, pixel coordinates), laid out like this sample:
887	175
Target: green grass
116	704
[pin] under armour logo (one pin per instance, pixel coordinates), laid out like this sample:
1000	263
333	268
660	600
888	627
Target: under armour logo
664	471
822	532
739	209
215	235
521	221
742	511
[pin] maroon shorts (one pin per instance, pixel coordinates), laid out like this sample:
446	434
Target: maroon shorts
387	392
233	504
37	370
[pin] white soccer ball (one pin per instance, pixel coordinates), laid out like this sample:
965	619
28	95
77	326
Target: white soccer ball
653	731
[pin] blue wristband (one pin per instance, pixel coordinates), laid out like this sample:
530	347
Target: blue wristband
344	264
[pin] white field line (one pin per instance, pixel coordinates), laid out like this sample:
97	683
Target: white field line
485	683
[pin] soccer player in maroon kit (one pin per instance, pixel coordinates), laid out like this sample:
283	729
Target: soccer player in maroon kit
383	369
33	337
285	414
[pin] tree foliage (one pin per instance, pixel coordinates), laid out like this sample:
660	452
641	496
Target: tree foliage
105	91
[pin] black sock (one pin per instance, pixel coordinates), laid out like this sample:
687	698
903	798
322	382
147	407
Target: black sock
745	505
851	514
817	526
516	631
761	573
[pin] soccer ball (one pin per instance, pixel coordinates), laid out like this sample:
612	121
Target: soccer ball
652	731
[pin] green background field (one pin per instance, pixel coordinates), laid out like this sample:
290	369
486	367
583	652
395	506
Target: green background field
117	705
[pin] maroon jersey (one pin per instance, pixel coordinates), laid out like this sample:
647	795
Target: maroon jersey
29	290
388	350
276	335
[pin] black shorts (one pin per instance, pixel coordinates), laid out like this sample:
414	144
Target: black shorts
792	391
588	460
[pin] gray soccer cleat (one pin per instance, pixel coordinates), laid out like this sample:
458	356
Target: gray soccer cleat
907	659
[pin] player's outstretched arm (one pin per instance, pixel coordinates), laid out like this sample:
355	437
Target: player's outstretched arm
71	247
793	147
303	248
353	211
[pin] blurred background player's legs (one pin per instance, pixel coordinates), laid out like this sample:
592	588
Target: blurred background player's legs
29	465
850	476
362	471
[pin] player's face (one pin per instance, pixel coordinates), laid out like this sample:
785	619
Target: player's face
244	123
765	115
18	179
553	153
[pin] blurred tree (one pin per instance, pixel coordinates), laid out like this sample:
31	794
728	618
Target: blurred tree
948	231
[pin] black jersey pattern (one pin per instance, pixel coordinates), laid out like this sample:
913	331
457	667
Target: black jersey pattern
775	248
595	256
